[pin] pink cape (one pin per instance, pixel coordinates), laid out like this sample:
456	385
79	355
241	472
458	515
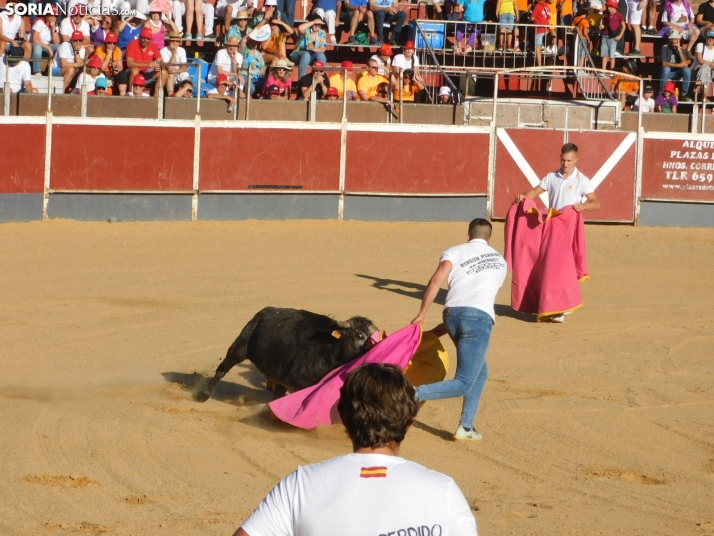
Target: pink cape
546	251
317	405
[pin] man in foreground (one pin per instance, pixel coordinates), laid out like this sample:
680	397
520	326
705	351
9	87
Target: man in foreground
475	272
372	490
565	187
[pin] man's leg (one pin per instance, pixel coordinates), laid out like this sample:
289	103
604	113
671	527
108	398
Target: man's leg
470	329
398	19
686	80
379	24
665	75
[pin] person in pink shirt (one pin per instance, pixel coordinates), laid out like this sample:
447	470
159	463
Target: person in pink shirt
279	76
157	24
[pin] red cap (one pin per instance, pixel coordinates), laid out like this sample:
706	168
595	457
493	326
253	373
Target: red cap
77	36
111	37
145	32
95	61
318	65
386	49
221	78
332	91
347	64
139	80
612	3
410	44
669	87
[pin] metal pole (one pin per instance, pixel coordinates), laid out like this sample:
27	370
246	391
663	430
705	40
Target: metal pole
160	95
48	161
401	96
705	90
344	96
83	92
492	151
313	101
196	165
198	91
49	86
247	92
6	89
638	160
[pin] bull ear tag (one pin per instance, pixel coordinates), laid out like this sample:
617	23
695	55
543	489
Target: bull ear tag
336	334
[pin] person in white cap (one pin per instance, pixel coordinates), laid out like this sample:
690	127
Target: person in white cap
445	95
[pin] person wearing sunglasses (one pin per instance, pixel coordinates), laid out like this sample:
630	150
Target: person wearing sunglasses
279	77
316	79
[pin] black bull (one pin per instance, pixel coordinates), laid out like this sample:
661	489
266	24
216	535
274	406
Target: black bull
294	348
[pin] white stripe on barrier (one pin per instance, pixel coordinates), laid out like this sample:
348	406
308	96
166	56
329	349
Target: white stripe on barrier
521	162
611	162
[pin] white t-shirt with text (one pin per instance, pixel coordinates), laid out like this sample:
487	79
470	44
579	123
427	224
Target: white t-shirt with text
680	14
342	496
563	192
67	27
477	272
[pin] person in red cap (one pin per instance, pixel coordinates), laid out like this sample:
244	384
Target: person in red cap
388	11
110	54
75	22
407	59
142	56
383	57
272	92
138	86
613	28
45	38
355	12
92	74
332	94
666	102
224	91
316	79
337	81
69	58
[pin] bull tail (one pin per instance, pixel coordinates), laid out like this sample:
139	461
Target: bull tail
237	353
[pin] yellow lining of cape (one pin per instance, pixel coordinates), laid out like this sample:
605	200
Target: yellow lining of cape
542	316
584	278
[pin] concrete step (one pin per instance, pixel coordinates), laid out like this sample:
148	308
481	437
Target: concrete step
40	83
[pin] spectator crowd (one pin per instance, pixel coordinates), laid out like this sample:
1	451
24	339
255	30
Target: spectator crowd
132	48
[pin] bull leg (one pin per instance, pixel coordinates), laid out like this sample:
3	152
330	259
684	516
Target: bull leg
237	353
278	390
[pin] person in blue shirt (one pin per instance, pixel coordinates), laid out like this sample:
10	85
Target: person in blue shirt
466	34
129	30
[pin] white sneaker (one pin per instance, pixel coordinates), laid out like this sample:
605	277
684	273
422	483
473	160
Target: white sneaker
559	319
333	40
463	435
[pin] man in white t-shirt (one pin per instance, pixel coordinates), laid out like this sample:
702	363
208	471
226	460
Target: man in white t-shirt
175	64
16	71
475	272
12	28
371	491
75	23
69	57
226	61
566	187
648	104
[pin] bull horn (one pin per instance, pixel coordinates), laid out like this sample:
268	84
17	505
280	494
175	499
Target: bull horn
343	325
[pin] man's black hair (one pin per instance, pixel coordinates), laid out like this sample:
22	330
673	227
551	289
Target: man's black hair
480	228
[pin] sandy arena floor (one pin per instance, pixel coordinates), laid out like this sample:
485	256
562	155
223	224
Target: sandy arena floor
602	425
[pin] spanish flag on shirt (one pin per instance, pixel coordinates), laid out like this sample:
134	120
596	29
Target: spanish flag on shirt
373	472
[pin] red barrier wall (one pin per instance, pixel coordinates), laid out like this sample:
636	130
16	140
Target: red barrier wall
539	148
617	190
22	170
678	170
241	158
398	162
121	158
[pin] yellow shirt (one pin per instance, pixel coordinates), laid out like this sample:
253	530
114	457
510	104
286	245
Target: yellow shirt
409	91
369	84
507	7
336	82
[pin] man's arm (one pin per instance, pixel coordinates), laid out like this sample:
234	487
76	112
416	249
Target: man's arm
530	194
592	203
432	289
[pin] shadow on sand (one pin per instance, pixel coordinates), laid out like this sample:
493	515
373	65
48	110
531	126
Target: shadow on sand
416	291
225	391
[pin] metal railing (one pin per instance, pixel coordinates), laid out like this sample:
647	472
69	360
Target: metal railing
591	82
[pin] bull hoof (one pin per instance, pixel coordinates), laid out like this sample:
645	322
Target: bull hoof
202	396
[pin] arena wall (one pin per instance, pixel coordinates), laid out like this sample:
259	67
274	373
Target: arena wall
176	169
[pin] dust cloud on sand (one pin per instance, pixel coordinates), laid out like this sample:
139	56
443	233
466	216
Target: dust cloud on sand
601	425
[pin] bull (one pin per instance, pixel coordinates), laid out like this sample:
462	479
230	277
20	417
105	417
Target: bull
294	348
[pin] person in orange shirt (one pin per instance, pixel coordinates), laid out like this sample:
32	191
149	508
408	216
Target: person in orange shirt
369	82
336	81
110	54
412	85
566	12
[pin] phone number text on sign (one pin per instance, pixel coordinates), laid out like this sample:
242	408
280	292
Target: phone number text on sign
688	163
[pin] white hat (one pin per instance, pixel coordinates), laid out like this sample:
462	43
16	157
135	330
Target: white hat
137	15
271	2
444	90
260	34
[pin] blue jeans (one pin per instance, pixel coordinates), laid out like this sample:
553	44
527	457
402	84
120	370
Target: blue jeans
39	52
398	19
608	47
287	11
470	329
685	73
305	58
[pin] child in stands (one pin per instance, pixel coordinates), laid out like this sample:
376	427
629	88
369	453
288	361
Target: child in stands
648	103
667	102
541	17
583	26
613	28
